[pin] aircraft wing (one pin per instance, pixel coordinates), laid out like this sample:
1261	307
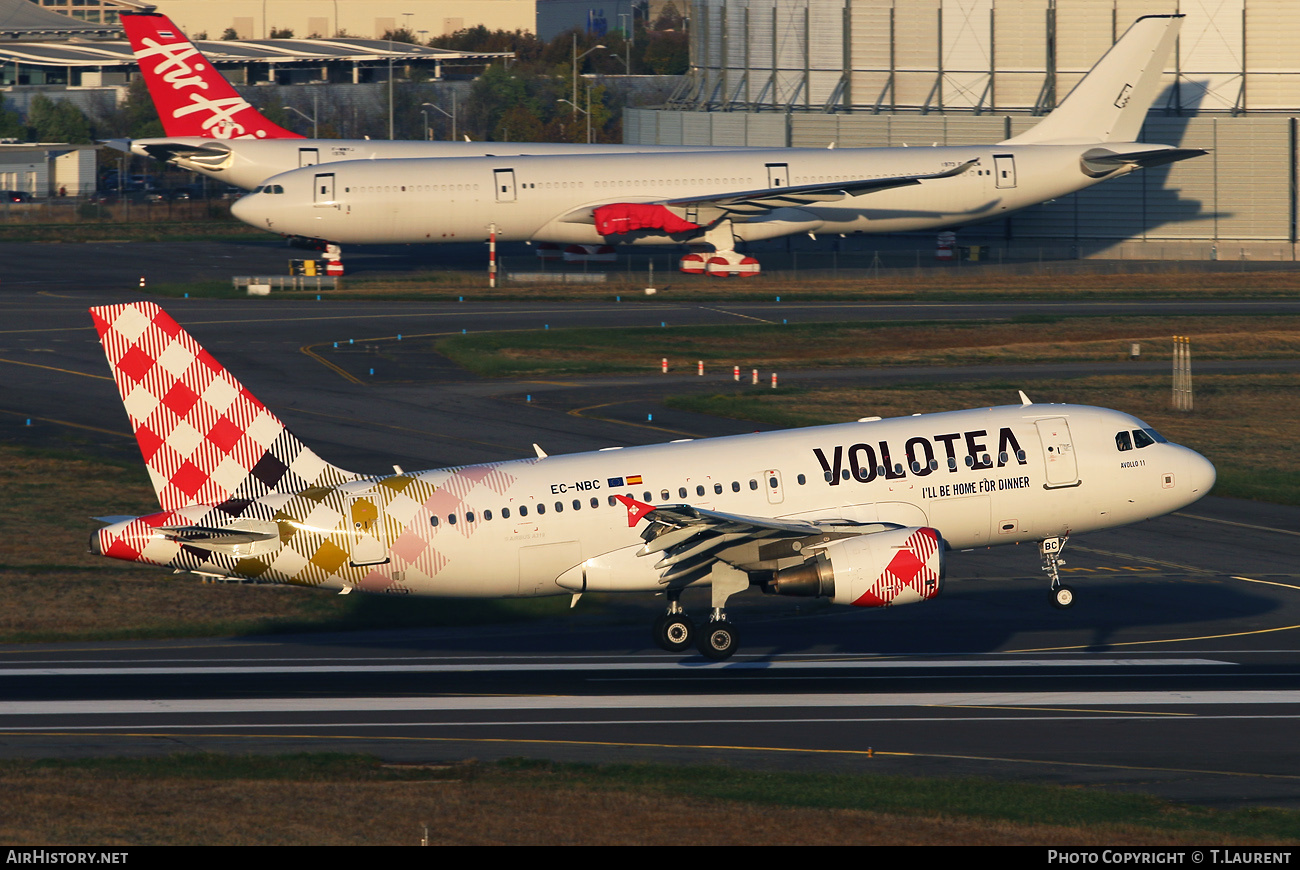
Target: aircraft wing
688	540
699	211
752	202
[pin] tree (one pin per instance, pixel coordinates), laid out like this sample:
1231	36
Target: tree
51	121
230	33
11	125
282	33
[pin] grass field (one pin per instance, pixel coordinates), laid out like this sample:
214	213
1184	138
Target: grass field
313	799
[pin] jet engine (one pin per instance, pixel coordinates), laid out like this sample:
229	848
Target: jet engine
898	566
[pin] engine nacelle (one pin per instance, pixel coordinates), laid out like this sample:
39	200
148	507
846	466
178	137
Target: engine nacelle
879	570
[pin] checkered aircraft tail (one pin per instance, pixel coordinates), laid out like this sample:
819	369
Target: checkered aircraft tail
205	438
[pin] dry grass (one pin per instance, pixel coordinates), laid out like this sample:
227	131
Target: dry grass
89	808
820	345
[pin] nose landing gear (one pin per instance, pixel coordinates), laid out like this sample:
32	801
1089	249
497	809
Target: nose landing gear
1049	551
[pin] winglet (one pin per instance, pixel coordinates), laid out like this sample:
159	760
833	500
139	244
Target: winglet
636	510
1024	400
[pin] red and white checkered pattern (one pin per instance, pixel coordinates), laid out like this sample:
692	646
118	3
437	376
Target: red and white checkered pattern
912	574
205	439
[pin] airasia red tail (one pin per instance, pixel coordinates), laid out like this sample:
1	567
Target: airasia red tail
192	98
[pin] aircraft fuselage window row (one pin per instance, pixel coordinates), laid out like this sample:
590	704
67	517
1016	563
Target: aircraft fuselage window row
469	516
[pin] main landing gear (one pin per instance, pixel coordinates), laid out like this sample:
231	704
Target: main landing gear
1049	551
674	631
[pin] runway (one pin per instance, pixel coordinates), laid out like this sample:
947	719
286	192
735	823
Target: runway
1176	673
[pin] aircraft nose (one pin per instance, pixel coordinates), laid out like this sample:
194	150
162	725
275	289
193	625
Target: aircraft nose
1200	473
246	208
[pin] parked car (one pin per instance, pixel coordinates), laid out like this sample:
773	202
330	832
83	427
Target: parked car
15	196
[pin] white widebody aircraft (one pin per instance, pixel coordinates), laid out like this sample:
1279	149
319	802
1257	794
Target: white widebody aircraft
214	131
712	200
860	513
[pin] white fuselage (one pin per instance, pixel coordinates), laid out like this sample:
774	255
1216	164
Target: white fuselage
548	526
550	198
247	163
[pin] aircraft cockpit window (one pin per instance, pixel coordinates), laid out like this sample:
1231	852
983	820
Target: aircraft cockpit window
1123	441
1142	439
258	189
1156	436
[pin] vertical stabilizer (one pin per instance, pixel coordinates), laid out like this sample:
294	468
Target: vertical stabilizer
192	98
1110	103
204	437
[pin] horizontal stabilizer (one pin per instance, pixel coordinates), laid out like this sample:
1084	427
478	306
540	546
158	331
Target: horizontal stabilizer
1103	160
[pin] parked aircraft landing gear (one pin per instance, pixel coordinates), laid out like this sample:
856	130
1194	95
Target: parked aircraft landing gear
674	631
1049	551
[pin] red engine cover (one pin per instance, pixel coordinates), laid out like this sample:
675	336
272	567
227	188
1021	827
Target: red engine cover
622	218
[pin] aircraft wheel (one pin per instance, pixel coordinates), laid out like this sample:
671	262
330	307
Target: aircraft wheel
717	641
674	632
1062	597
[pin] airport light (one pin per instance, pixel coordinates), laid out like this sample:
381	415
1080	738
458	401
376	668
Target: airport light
577	57
312	118
452	115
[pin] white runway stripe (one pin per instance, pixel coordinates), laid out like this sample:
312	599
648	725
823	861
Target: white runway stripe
1105	700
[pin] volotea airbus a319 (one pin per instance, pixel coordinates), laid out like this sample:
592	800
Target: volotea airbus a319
859	513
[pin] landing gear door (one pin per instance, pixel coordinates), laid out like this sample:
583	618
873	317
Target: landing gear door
323	190
1058	452
1004	170
505	184
308	156
778	175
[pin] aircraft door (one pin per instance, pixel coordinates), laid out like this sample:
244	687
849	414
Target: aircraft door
368	547
1058	452
1004	170
772	480
778	175
323	191
505	184
308	156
